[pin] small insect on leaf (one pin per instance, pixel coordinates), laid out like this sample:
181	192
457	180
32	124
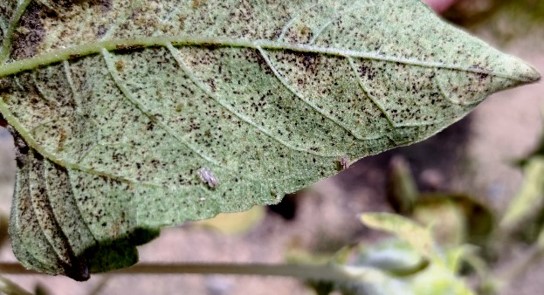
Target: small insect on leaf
119	65
207	176
343	163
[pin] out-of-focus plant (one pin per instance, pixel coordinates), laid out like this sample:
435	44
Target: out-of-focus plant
412	262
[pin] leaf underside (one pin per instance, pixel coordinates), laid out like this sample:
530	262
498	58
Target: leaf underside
132	115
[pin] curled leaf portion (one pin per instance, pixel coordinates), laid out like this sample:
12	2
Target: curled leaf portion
144	114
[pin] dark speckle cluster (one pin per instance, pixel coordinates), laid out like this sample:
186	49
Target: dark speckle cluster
30	32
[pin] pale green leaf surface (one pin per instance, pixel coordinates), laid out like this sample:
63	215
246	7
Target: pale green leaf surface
141	114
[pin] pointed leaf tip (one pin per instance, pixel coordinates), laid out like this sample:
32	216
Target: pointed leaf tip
515	69
532	75
527	73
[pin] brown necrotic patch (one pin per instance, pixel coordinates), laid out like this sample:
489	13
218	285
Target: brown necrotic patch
105	4
197	3
63	7
30	32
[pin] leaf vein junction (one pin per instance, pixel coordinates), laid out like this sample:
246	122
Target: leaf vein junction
283	81
8	36
128	95
177	55
365	91
290	23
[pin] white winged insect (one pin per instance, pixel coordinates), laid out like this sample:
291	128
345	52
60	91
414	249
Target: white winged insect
207	176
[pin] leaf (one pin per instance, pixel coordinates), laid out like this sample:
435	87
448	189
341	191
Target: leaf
393	256
3	228
446	221
133	115
439	280
540	241
440	276
528	202
418	237
235	223
402	191
10	288
455	218
392	266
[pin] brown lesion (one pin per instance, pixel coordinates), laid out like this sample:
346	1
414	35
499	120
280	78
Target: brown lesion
197	3
63	136
120	66
123	48
21	147
59	8
30	32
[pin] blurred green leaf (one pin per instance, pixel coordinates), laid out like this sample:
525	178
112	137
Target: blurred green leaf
453	218
455	256
419	237
438	280
234	223
441	275
393	256
8	287
456	218
360	280
446	221
340	261
42	290
529	201
398	263
3	228
507	21
540	241
402	190
536	153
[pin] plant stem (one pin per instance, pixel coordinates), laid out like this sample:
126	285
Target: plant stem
304	272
